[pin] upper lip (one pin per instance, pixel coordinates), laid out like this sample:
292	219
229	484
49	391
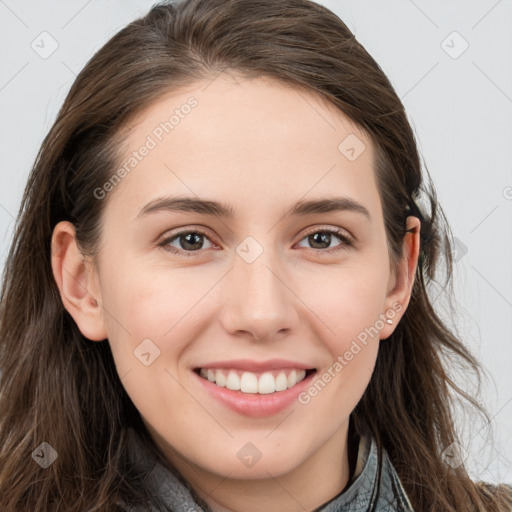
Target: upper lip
256	366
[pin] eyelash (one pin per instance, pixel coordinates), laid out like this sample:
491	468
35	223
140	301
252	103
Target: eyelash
346	242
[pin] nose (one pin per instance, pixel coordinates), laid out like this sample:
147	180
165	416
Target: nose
258	299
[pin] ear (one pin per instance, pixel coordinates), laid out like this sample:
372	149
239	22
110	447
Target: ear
402	280
77	281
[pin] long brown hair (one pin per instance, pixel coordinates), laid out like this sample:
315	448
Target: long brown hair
60	388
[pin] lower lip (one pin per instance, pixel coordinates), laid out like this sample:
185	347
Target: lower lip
254	404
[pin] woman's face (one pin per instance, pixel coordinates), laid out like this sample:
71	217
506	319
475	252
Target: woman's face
254	285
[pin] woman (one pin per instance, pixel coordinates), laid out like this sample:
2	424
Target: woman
216	294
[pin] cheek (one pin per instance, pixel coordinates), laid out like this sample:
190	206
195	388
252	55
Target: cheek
348	303
340	383
350	308
152	301
150	324
148	312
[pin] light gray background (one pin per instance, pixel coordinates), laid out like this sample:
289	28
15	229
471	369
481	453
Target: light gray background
459	103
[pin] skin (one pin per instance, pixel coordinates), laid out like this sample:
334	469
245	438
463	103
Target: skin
259	146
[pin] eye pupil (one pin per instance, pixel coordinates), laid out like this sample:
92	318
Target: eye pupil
321	237
188	242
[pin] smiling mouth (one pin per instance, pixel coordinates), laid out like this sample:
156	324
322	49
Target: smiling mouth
262	383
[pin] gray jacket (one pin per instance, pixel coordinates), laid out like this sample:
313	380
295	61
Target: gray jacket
375	486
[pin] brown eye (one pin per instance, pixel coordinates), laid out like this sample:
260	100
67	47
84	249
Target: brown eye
321	239
187	242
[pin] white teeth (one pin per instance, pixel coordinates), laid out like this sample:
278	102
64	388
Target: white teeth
281	382
233	381
292	378
264	384
249	383
220	379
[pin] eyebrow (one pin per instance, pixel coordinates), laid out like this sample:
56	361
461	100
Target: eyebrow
214	208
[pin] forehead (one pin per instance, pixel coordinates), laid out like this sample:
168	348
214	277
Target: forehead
256	138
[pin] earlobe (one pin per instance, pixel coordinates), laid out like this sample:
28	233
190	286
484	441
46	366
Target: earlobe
76	280
403	281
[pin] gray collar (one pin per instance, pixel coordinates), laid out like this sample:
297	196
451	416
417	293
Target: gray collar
375	486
